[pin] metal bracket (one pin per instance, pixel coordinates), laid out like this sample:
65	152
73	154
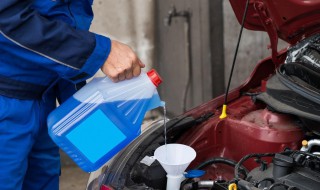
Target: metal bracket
174	13
267	23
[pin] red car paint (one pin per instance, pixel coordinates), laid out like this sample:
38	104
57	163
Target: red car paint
249	127
290	20
105	187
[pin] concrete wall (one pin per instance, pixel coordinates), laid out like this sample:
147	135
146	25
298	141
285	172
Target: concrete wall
173	59
131	22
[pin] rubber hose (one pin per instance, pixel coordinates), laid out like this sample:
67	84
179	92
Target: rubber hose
221	160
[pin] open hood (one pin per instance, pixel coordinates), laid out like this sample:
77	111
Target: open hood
290	20
293	20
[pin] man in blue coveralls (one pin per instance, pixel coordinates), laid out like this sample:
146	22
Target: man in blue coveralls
45	46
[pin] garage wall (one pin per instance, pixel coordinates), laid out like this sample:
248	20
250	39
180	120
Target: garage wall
140	23
131	22
205	60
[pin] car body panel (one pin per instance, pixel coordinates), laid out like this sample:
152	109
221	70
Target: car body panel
250	127
293	20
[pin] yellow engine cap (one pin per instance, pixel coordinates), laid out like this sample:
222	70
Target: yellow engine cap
305	143
223	112
232	186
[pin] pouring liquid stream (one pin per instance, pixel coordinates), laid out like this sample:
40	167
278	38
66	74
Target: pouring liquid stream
165	124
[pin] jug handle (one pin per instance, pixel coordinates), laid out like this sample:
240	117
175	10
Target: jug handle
106	79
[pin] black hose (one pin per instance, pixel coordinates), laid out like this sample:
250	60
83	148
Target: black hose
245	158
305	153
268	179
221	160
293	152
238	165
216	160
277	185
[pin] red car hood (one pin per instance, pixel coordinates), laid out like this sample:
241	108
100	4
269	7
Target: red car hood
290	20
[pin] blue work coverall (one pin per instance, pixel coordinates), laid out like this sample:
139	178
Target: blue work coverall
45	45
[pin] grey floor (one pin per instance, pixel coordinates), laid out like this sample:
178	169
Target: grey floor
73	178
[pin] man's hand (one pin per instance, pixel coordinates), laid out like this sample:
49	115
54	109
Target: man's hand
122	63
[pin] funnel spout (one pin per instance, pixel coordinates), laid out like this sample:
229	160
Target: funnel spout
174	158
173	182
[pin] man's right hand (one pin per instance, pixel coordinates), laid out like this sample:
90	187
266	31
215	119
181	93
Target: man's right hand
122	63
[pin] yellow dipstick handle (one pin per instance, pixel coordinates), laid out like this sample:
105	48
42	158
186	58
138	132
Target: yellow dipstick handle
232	186
224	112
305	143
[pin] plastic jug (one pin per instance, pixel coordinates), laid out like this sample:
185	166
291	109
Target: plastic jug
102	118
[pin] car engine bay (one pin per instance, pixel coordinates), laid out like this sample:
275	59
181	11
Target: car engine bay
269	141
258	146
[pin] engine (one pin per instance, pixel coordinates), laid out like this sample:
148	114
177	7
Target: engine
269	141
265	153
289	170
293	91
293	171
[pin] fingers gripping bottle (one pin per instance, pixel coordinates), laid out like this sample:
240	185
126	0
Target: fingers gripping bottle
103	117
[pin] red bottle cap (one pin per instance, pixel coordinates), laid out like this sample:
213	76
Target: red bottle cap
154	77
104	187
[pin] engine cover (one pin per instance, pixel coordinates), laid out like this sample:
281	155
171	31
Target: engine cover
285	174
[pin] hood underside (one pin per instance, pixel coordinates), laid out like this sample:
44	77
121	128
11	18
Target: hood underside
290	20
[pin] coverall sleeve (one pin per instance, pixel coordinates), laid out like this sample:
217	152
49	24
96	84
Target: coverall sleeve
74	54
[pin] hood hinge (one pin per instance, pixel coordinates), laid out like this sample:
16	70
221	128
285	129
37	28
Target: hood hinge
267	23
